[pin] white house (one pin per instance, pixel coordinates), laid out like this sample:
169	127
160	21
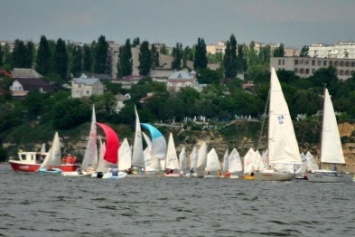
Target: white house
182	79
83	86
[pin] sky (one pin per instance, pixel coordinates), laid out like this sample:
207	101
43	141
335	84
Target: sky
294	23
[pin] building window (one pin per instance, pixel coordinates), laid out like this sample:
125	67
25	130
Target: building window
283	61
336	63
347	72
313	62
319	63
324	63
330	63
341	72
341	64
347	64
301	71
307	71
353	64
279	61
296	61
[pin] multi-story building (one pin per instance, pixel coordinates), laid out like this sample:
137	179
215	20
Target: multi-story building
306	66
339	50
84	86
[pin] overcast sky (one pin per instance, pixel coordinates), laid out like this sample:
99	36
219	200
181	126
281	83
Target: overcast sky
292	22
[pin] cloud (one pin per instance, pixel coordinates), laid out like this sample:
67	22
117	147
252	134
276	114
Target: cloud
295	11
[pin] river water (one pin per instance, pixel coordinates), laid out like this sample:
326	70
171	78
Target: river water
50	205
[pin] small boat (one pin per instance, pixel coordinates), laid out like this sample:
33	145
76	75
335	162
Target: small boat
213	167
29	161
331	148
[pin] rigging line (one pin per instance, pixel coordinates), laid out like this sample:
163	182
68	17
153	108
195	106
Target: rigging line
264	119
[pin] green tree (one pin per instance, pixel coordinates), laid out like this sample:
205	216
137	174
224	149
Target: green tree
304	51
88	60
19	55
44	57
101	52
177	54
77	65
265	54
61	63
136	42
208	76
279	51
125	64
163	50
31	54
187	54
200	59
242	64
145	59
230	58
154	57
7	56
1	56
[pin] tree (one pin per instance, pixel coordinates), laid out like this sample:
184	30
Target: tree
19	55
208	76
145	59
154	57
88	59
279	51
125	64
101	51
77	65
61	63
265	54
230	58
163	50
200	59
177	54
1	56
136	42
31	54
187	55
43	62
304	51
242	65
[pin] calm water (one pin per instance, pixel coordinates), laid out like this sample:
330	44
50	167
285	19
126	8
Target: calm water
50	205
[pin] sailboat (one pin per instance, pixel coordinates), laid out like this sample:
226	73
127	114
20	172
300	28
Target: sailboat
90	160
331	149
151	163
249	161
235	164
183	161
172	164
52	162
193	163
282	142
213	166
109	155
201	161
137	154
158	147
125	156
225	165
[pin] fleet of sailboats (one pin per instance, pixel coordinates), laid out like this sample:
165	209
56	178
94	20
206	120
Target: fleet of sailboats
281	161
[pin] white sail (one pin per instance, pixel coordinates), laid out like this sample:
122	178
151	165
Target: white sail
151	163
265	159
225	161
125	156
43	148
235	163
54	156
259	164
202	157
171	159
249	161
91	157
182	159
102	165
193	158
301	169
213	163
282	143
311	162
137	157
331	149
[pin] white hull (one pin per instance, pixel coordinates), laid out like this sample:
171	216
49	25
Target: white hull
273	176
325	176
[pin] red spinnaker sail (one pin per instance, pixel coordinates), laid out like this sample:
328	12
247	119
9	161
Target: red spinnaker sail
112	144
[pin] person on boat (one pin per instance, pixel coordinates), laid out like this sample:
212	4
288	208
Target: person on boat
219	173
114	172
192	170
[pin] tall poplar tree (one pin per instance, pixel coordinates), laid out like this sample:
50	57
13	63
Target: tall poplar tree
31	53
279	51
101	52
19	54
1	56
125	64
61	59
177	54
200	59
43	62
77	65
154	57
88	58
242	58
145	59
230	58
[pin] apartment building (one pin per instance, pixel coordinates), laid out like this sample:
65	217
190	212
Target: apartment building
306	66
339	50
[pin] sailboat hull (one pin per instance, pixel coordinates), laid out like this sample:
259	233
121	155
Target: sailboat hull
328	176
273	176
26	167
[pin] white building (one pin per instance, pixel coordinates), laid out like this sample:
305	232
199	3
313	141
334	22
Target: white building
84	86
340	50
182	79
